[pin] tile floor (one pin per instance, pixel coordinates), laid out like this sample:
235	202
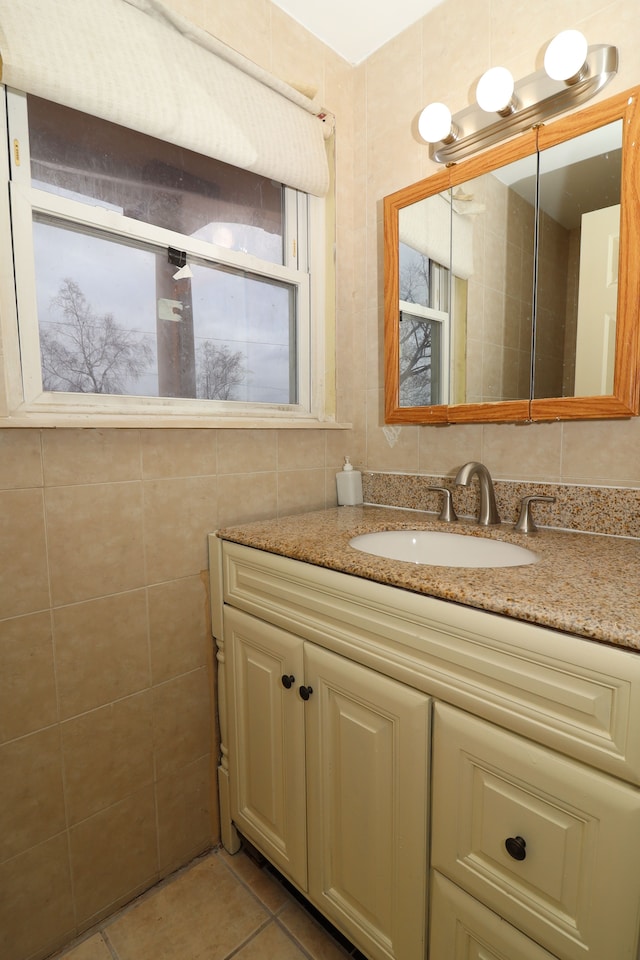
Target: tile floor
217	907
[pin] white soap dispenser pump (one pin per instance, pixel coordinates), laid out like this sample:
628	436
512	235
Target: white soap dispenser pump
349	485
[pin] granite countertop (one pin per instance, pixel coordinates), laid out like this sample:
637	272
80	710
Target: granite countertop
585	584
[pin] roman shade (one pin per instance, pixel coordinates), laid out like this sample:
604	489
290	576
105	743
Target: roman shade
139	64
436	229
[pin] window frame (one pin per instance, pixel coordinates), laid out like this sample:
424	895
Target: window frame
23	401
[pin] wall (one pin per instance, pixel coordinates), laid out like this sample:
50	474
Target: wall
441	58
107	742
105	685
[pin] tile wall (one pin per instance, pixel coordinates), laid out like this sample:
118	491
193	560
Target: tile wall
107	732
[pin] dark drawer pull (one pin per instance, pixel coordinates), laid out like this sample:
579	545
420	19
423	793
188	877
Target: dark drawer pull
516	847
288	680
305	692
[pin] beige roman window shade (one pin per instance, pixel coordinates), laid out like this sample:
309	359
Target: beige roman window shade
139	64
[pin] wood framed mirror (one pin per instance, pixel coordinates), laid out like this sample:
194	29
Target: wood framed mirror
512	288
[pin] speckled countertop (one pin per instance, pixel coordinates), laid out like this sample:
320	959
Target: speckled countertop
586	584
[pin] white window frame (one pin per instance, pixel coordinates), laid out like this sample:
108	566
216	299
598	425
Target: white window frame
22	399
417	312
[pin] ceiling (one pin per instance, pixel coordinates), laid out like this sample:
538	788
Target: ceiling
355	28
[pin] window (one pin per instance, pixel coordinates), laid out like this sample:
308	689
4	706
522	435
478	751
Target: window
424	329
153	280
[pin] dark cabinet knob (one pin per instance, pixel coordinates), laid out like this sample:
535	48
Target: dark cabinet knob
516	847
305	692
288	681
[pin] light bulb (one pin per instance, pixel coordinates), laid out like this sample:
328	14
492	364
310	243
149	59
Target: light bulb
565	56
434	123
495	90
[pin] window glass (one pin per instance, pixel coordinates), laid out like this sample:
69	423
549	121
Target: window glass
425	284
84	158
114	319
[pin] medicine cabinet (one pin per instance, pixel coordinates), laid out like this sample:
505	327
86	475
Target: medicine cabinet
512	283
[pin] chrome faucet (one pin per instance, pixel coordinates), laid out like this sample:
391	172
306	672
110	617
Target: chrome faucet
488	513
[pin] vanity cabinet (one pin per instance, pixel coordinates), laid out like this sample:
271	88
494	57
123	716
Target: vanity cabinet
328	765
534	740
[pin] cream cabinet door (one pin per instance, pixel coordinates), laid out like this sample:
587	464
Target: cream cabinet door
266	740
545	842
367	799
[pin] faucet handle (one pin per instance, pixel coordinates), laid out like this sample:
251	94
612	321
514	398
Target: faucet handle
447	513
526	522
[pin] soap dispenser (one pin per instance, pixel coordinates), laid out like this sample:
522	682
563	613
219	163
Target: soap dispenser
349	485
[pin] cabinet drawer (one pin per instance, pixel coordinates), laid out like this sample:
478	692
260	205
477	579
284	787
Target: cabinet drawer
576	891
463	929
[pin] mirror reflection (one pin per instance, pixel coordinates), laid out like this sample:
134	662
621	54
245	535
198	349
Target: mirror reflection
501	287
577	289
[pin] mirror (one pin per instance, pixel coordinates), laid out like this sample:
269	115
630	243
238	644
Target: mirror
507	292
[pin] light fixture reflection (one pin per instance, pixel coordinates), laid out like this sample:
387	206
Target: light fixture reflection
564	58
494	91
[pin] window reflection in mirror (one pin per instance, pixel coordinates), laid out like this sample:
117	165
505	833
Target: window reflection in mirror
577	290
424	279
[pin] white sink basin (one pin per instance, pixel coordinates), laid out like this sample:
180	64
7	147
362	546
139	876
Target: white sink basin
442	549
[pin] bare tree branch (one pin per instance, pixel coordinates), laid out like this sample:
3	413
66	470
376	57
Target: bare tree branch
87	353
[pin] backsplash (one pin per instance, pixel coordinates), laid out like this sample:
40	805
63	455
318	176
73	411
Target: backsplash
608	510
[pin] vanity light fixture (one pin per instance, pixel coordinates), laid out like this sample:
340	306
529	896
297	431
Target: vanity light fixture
573	73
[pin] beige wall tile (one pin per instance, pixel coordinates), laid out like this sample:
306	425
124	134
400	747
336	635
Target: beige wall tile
393	448
246	497
296	56
108	755
95	540
300	490
522	451
184	815
178	453
247	451
36	906
443	450
20	459
24	583
102	651
178	515
230	23
122	841
27	680
90	456
178	628
603	452
181	722
31	797
301	449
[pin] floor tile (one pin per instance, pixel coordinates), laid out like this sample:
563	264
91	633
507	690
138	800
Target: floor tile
260	881
202	915
92	949
313	938
272	943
